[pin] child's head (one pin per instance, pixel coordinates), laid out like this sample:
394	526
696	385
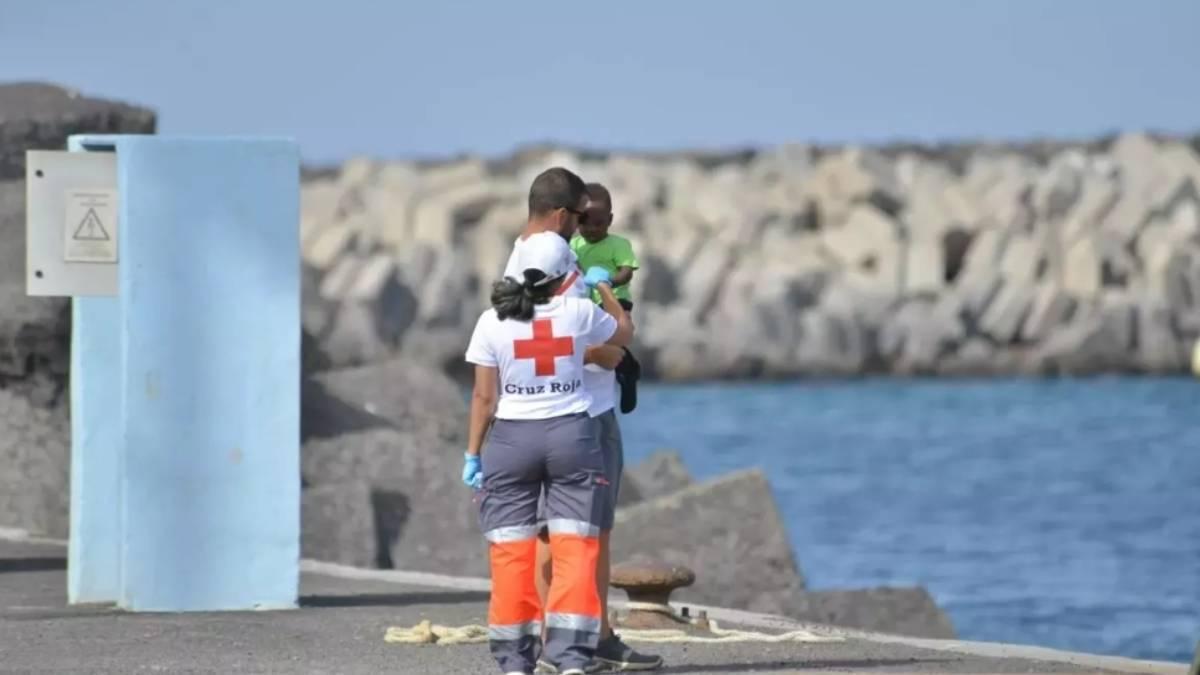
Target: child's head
594	227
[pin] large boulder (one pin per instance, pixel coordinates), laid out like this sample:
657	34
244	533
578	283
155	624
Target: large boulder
388	439
40	116
34	465
660	474
728	531
35	332
337	524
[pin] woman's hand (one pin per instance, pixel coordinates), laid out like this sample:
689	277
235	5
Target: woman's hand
596	276
472	473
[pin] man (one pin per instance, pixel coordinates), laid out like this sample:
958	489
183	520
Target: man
599	381
547	218
563	222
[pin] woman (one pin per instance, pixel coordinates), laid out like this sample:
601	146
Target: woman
528	354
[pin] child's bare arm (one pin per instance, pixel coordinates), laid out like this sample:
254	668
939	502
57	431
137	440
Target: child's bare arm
623	276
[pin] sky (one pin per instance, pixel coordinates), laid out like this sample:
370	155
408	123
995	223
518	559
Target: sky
440	78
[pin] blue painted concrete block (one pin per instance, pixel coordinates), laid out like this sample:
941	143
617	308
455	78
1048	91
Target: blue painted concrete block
93	553
209	363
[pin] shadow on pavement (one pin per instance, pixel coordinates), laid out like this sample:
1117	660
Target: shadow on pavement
798	665
392	599
32	564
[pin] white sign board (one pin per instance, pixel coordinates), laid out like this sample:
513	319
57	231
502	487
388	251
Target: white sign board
90	226
71	223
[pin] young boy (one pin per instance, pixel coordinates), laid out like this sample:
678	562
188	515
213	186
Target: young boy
595	247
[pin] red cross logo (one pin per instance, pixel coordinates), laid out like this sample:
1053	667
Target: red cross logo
543	348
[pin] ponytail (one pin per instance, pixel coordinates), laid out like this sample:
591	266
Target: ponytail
514	299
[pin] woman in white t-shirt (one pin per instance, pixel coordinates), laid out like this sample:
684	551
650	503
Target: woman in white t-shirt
528	355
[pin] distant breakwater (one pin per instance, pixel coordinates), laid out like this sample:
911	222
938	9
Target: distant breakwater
1038	259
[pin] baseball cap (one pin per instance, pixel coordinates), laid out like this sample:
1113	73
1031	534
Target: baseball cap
547	253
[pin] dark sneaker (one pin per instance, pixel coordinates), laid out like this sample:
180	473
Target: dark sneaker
629	371
615	655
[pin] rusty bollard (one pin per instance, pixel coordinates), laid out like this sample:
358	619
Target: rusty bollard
649	586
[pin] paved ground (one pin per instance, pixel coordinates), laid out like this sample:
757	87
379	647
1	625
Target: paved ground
341	626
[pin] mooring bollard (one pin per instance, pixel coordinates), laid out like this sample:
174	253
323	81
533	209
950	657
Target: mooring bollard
649	586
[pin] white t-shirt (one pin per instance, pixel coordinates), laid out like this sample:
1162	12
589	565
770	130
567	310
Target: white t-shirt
601	383
540	362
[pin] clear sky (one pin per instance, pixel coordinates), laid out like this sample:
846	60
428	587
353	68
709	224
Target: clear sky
439	77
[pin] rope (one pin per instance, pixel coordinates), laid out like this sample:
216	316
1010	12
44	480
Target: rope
427	632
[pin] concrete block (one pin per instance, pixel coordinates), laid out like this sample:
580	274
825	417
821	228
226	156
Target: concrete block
727	530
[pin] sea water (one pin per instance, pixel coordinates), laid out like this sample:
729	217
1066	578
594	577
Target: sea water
1063	513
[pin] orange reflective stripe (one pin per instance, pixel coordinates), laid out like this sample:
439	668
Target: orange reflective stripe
573	584
514	592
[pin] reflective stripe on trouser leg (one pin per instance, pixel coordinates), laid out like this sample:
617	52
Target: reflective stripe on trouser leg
573	606
514	631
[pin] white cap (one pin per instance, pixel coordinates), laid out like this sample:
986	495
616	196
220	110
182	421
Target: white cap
548	253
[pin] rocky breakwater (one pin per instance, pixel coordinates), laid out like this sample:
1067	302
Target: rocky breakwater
380	462
35	333
964	260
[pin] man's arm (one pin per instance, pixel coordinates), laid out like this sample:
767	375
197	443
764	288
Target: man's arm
607	357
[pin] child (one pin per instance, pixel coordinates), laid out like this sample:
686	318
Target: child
595	247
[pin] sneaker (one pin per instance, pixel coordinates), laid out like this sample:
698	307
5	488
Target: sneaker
629	371
616	655
544	667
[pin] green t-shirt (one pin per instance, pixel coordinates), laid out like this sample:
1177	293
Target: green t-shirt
610	253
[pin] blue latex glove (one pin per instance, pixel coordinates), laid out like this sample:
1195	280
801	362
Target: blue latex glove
596	276
472	475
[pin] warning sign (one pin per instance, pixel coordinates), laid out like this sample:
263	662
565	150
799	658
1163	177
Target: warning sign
90	226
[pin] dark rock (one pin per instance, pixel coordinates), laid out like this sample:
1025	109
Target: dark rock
35	332
662	473
35	459
974	357
438	529
1100	341
918	335
338	524
658	280
397	427
831	344
408	396
38	116
727	530
899	611
1159	351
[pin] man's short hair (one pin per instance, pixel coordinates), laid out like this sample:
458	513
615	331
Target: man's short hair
555	188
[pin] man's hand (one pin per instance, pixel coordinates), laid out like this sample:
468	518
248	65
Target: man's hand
607	357
472	473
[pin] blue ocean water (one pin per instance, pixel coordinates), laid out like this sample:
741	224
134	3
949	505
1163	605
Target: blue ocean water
1063	513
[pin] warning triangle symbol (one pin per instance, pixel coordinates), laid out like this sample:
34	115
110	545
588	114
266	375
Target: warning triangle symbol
90	228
